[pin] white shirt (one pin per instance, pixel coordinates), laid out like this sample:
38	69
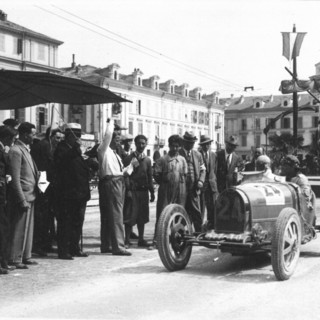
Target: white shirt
109	162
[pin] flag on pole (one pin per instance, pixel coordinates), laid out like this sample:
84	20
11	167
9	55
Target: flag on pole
291	44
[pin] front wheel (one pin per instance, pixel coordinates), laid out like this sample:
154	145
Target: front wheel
286	239
172	226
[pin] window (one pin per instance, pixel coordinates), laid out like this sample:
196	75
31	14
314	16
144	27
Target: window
138	106
218	137
258	105
194	116
186	92
299	123
17	46
199	96
139	81
140	127
243	141
244	124
315	121
41	113
148	153
258	124
2	43
131	127
206	118
258	140
273	125
115	75
171	89
201	117
41	52
156	85
285	123
285	103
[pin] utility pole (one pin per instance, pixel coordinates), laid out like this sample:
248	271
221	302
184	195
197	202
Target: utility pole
295	103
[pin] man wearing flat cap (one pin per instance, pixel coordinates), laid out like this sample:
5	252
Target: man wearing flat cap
72	179
210	190
194	180
228	163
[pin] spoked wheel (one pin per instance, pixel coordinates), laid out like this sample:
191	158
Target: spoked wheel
172	226
286	241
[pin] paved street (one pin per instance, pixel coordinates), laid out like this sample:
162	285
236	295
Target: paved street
213	286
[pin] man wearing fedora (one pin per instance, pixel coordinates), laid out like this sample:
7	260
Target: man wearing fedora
72	180
228	163
210	190
194	180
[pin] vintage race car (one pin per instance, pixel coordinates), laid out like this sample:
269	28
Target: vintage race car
255	216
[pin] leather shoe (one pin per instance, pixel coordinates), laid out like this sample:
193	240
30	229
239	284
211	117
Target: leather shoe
3	271
7	267
20	266
143	243
80	254
65	257
122	253
30	262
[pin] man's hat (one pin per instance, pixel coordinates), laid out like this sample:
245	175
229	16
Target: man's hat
205	139
74	127
189	137
233	140
126	136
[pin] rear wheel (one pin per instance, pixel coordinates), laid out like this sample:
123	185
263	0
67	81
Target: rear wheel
172	226
286	239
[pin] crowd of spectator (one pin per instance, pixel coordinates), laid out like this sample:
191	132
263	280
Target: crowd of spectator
44	187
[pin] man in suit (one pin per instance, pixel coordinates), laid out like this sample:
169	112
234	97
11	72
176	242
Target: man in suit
195	178
228	163
7	136
210	190
21	196
73	192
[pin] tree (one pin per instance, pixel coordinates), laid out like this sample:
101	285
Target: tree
281	145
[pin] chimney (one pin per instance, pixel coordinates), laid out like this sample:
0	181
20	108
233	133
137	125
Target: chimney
73	64
3	16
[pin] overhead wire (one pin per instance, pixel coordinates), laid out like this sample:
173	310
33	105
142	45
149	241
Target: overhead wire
147	48
171	61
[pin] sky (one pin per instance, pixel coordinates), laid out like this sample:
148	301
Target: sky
219	46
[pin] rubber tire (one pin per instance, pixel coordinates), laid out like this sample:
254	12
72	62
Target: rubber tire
283	264
169	218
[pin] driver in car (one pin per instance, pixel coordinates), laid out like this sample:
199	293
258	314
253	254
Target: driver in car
290	168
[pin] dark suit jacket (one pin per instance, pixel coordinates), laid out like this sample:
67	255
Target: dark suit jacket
72	176
199	168
226	177
3	172
23	187
211	170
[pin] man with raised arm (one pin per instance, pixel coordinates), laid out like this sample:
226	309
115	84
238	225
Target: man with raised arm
111	193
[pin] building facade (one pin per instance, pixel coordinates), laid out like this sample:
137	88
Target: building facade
27	50
247	117
158	109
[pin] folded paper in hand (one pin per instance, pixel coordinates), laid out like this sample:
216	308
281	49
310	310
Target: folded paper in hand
43	183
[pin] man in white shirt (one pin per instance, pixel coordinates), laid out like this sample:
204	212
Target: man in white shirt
111	194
